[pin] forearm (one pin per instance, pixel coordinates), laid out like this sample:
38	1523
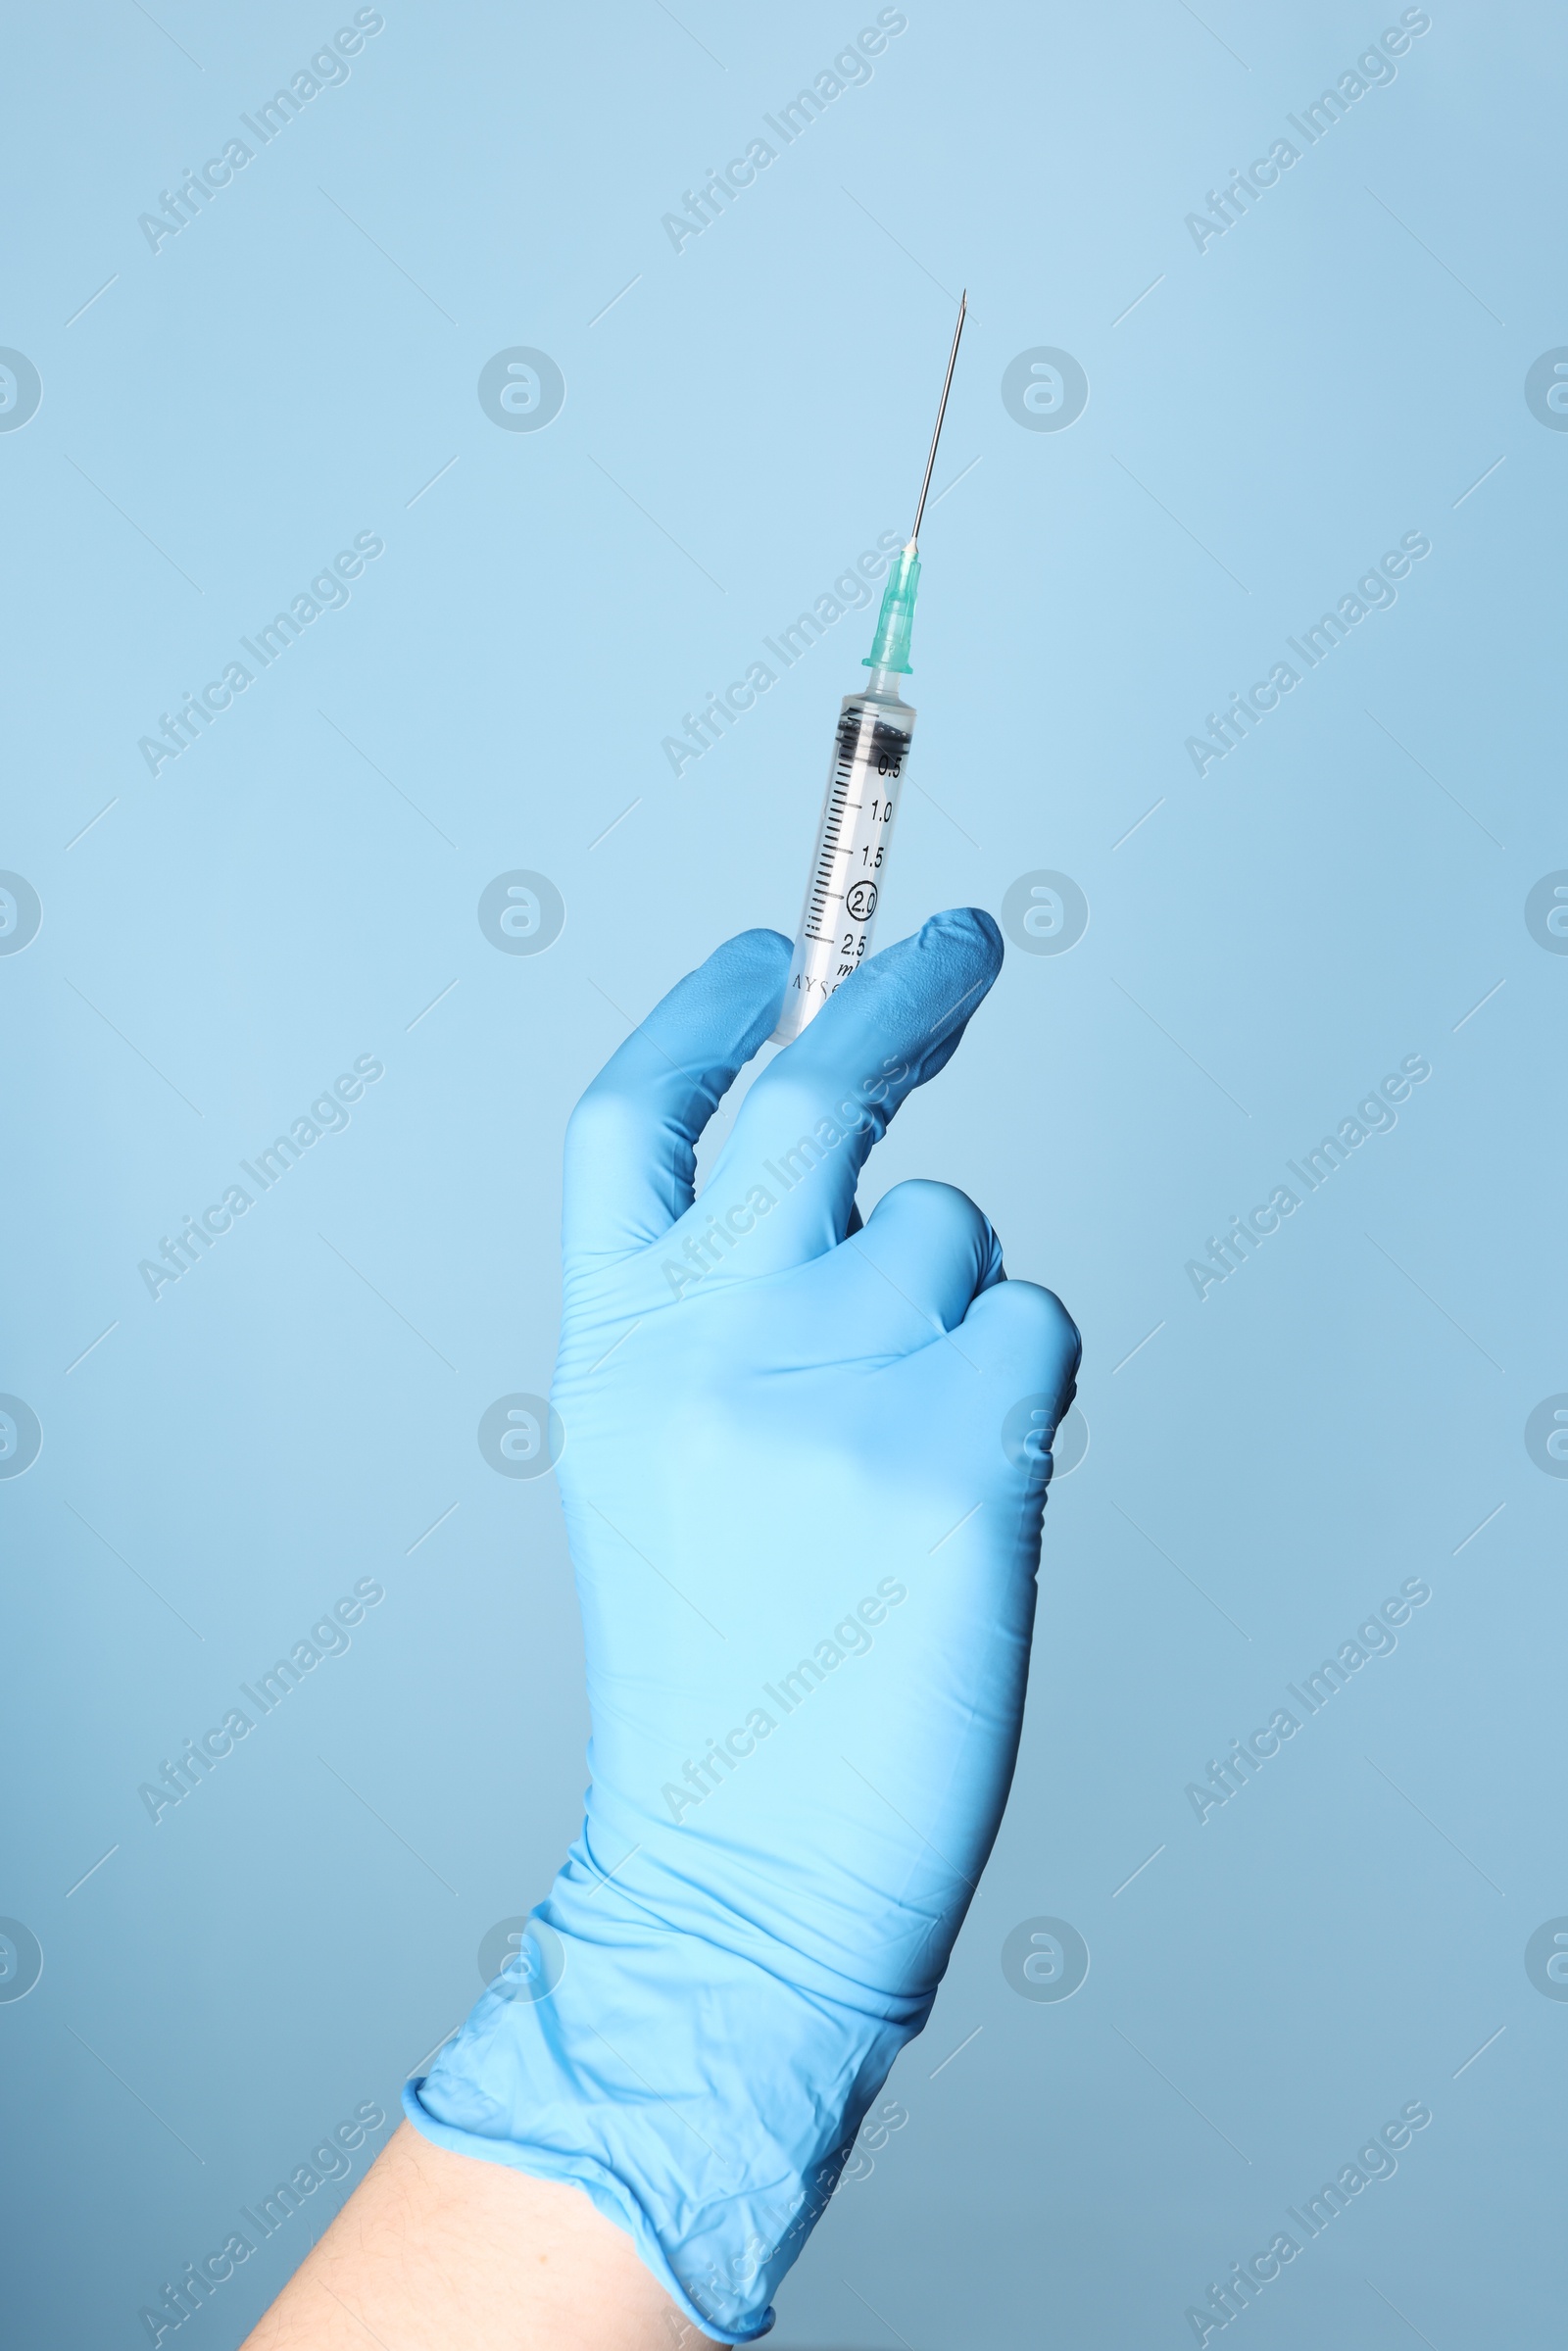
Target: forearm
440	2252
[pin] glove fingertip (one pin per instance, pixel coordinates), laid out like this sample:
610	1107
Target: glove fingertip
759	953
971	926
1030	1332
742	980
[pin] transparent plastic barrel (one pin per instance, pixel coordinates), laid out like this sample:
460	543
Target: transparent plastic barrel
854	838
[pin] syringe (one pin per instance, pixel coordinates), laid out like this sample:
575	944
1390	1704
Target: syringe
870	752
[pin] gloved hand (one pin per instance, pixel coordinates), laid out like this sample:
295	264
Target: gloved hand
804	1470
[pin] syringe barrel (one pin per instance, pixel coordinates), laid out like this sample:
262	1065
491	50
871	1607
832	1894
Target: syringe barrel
854	836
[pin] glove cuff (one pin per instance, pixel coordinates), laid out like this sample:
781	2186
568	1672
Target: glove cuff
706	2104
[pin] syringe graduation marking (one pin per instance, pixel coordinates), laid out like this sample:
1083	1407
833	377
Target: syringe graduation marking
863	738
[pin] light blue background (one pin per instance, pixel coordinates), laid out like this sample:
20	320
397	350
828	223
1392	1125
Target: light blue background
1341	367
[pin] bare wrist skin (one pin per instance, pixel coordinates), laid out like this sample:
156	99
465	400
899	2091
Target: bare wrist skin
441	2252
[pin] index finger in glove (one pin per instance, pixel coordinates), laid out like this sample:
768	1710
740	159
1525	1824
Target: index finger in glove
632	1146
805	1129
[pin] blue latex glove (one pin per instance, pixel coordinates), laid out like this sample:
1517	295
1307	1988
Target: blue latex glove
804	1474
